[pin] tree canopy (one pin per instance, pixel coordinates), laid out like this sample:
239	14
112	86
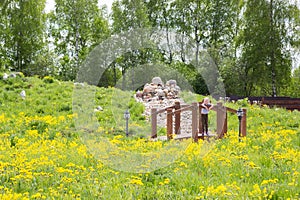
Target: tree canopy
252	43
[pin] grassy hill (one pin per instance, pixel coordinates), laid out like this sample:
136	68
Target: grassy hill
44	156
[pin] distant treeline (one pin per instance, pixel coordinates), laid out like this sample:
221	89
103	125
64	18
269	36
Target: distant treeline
252	43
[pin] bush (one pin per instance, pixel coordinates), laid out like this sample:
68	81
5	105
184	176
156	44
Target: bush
48	79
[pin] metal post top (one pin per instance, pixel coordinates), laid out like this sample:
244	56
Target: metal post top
127	114
240	113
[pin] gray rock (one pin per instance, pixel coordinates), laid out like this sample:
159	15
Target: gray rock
98	108
157	81
23	94
172	82
5	76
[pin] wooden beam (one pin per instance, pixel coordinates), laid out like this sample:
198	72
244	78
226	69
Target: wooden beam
244	123
177	118
200	122
183	109
154	122
231	110
219	119
194	121
169	123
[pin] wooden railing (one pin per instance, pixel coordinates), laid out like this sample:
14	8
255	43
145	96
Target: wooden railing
196	119
283	102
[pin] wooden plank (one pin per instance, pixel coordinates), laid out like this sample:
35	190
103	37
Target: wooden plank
169	123
181	137
194	121
164	109
177	118
225	127
154	122
200	120
244	123
282	102
219	119
183	109
230	110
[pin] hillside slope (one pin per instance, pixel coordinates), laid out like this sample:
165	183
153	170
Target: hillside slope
42	154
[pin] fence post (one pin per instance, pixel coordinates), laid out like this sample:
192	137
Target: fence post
200	122
154	122
194	122
244	123
177	118
220	120
225	122
169	123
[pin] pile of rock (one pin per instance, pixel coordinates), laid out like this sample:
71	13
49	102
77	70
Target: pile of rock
160	96
157	90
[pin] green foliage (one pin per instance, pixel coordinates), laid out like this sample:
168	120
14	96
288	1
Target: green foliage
133	14
293	89
22	33
110	77
265	65
43	156
114	103
249	41
75	29
48	79
40	126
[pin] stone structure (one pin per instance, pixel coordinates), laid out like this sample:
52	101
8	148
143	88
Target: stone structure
156	90
159	95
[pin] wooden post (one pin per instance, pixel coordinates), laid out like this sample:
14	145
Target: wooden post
220	119
177	118
200	122
194	121
244	123
225	123
154	122
169	123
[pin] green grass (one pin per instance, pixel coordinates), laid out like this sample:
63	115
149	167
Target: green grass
42	154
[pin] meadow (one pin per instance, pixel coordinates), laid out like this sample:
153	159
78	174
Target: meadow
43	156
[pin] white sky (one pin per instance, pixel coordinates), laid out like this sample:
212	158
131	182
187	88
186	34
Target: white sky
50	4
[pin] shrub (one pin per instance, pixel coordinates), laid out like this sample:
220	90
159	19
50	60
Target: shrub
48	79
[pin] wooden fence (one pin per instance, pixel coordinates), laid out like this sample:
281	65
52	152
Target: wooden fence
196	119
283	102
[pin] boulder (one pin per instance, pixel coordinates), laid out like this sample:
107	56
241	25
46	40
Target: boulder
5	76
157	81
172	83
139	94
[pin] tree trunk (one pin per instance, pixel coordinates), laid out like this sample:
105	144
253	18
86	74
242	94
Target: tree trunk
169	46
115	73
123	78
272	56
197	45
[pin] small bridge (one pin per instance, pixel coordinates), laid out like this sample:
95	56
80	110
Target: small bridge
196	123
